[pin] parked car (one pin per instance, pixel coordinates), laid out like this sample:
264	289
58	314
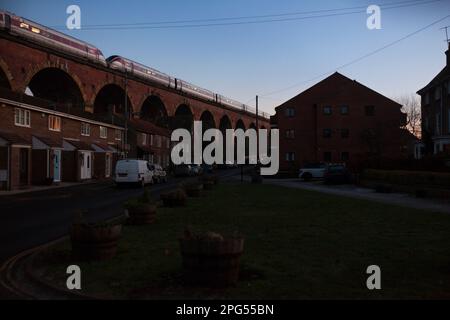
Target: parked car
159	174
337	174
133	171
182	170
312	171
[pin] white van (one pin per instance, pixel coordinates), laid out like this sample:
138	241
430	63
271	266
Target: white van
133	171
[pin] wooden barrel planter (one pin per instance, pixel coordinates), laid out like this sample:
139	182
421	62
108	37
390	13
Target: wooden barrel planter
141	213
94	242
208	185
175	198
211	263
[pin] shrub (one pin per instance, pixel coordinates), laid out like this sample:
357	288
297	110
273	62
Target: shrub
176	198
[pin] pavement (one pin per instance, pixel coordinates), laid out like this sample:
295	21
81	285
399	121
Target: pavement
399	199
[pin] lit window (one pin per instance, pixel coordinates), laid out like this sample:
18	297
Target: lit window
103	132
22	117
54	123
85	129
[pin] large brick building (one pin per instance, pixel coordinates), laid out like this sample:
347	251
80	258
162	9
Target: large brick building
338	120
435	107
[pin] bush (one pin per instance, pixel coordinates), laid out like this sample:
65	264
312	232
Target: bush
176	198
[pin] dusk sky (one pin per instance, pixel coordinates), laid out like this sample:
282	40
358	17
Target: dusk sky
243	60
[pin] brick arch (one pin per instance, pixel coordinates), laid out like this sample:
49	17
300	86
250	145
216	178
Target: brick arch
4	67
49	64
149	94
105	83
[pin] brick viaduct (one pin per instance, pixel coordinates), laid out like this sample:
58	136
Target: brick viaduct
59	77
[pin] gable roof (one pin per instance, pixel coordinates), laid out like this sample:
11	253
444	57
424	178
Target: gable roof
439	78
333	85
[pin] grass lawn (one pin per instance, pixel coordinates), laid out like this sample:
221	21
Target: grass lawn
298	245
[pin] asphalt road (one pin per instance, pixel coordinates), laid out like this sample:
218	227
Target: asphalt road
31	219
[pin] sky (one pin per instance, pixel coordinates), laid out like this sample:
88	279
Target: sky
241	61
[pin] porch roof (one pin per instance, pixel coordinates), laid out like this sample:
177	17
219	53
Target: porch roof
14	139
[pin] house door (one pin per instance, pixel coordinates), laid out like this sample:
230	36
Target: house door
23	166
86	165
57	165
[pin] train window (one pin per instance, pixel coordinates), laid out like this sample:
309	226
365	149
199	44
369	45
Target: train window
24	25
35	30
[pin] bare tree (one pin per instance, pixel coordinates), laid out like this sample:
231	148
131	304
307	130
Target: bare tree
411	106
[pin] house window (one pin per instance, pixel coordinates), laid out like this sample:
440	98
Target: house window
327	110
327	156
290	156
103	132
345	156
427	98
369	110
438	123
437	93
345	133
290	134
151	140
344	110
327	133
144	139
290	112
54	123
85	129
118	135
22	117
167	143
158	141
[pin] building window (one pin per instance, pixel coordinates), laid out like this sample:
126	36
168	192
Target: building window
438	123
158	141
54	123
369	110
290	134
437	93
427	98
290	112
22	117
151	140
345	156
118	135
85	129
290	156
344	110
327	156
167	143
345	133
144	139
103	132
448	121
327	110
327	133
